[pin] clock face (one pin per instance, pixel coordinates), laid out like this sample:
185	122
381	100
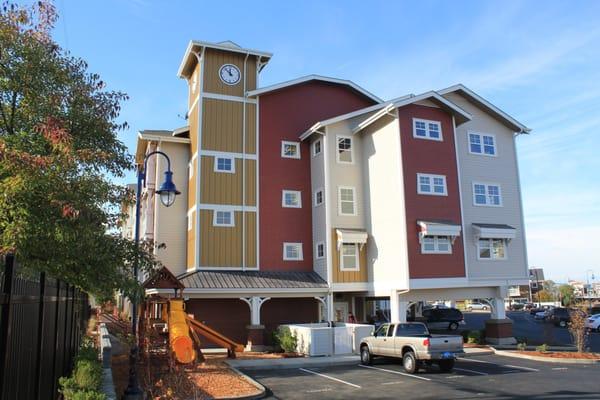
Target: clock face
229	74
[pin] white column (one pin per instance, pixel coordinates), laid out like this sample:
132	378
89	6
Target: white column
329	307
397	308
498	311
255	303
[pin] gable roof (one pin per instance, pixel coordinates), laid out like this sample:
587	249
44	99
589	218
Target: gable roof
487	106
384	108
307	78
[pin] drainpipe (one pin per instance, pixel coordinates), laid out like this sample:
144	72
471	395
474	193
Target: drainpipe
244	167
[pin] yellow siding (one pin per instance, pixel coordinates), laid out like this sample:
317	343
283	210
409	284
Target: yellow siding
225	188
193	121
193	94
191	242
340	276
222	128
192	184
222	246
213	62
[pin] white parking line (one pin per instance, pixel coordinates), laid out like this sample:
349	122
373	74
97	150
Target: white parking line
329	377
391	371
477	361
559	368
470	370
523	368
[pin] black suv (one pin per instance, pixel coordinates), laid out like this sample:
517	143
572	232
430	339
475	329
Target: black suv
560	316
443	318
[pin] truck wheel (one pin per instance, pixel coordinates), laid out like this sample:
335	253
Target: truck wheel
446	365
484	308
562	324
365	356
470	309
453	326
410	362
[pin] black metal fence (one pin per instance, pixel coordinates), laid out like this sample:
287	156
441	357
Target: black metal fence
42	322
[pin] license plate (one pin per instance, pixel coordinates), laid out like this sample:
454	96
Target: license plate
447	354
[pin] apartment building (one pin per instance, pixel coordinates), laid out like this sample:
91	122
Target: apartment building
307	200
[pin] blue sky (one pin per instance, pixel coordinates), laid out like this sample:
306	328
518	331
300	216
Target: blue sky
538	62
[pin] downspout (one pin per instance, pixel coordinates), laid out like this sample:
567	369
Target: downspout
244	167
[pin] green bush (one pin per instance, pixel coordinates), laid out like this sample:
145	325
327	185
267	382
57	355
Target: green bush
542	348
522	339
284	339
86	379
521	346
474	337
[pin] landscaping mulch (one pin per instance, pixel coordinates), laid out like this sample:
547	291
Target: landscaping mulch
561	354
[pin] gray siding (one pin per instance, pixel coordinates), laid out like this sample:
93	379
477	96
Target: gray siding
319	229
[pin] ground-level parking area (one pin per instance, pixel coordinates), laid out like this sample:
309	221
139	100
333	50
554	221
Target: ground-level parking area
482	377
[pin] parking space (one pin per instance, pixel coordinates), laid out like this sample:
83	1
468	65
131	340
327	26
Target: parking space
486	377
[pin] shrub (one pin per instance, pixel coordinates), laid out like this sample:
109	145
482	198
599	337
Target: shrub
577	330
474	337
284	339
521	346
522	339
465	336
542	348
86	380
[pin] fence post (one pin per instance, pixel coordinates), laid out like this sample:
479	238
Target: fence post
5	328
40	334
55	352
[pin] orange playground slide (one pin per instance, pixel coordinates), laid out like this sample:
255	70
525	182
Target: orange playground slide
180	341
215	337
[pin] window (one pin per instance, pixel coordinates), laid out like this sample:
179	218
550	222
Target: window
436	245
225	164
291	199
349	257
487	195
346	201
480	143
319	197
390	331
223	218
491	249
292	251
317	147
344	149
431	184
320	250
290	149
425	129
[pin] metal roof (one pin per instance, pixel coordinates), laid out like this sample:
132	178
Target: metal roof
252	280
494	226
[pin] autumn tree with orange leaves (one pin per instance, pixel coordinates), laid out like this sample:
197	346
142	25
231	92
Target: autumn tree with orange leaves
58	148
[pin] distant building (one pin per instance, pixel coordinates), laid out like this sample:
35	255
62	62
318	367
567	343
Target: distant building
536	279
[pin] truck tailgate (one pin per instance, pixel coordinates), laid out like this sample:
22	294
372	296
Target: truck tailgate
451	343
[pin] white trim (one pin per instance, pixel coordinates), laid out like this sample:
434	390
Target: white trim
320	243
486	185
197	293
300	253
492	258
231	218
474	96
315	203
337	149
294	192
481	135
198	171
385	110
218	96
427	134
431	177
351	287
257	194
354	211
436	249
287	142
460	193
159	138
225	207
437	283
214	153
314	147
522	219
356	257
327	201
494	233
216	165
194	103
307	78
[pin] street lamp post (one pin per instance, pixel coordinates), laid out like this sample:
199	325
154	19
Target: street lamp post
588	289
167	193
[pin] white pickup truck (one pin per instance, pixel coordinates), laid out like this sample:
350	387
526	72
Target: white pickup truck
412	342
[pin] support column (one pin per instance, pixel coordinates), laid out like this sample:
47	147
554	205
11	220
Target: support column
498	329
329	307
256	331
397	308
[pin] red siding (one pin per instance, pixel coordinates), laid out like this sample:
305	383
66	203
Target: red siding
284	115
431	157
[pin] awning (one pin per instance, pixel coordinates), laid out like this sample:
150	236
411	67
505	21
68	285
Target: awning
350	236
494	231
438	228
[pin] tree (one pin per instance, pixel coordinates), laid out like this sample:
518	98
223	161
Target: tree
58	147
567	294
545	296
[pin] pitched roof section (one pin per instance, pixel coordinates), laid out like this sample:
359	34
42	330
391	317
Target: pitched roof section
253	280
384	108
487	106
320	78
194	46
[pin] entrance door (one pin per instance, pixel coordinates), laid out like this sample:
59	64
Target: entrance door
340	312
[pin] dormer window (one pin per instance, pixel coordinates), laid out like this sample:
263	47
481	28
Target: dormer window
426	129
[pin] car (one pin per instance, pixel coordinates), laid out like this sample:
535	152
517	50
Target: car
540	315
560	316
412	342
593	322
478	306
517	306
443	318
542	309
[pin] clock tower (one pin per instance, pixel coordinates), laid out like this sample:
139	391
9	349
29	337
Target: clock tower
223	170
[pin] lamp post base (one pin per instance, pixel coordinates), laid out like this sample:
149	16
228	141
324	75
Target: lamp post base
133	391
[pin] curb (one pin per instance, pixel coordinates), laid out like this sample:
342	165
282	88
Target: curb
261	388
546	359
290	365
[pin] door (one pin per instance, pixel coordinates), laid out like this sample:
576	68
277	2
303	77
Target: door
387	342
380	335
340	312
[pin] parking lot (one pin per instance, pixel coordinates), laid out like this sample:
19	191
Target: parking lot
482	377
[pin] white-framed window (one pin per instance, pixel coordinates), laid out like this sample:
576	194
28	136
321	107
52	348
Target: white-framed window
426	129
290	149
319	197
487	194
223	218
491	249
349	257
482	143
225	164
345	151
292	251
346	201
320	250
430	184
317	147
436	245
291	199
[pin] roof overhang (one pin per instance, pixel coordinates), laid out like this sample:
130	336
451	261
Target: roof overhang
488	107
436	228
282	85
155	136
350	236
195	47
491	231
